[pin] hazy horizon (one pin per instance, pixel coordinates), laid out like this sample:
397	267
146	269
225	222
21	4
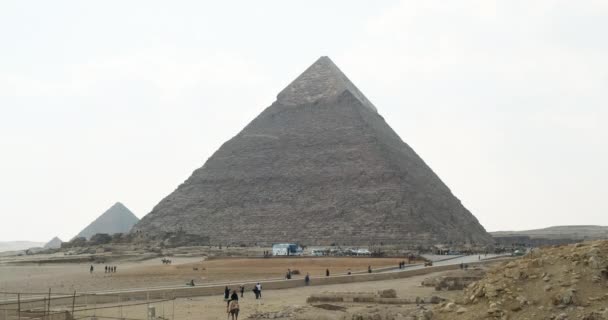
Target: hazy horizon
120	102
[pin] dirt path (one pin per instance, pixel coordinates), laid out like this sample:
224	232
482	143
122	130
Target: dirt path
214	307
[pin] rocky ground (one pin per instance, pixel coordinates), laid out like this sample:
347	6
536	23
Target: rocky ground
560	283
555	283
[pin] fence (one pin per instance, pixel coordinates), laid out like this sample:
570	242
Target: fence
74	306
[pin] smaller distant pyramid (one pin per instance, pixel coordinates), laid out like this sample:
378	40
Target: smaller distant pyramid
55	243
117	219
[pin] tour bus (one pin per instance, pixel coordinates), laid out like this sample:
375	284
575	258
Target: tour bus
286	249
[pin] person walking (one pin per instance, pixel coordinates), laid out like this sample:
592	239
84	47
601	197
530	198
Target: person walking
369	269
91	269
242	290
327	272
226	294
259	287
307	279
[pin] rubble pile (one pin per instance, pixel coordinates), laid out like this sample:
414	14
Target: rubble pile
457	280
559	283
381	297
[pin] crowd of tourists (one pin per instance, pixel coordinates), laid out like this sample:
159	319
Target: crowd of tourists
108	269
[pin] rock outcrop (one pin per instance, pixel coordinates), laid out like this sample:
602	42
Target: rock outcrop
319	166
565	282
117	219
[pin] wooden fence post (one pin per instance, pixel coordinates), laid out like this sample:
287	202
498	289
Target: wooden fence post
73	303
49	306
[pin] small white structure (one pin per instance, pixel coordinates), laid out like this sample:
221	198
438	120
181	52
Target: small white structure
286	249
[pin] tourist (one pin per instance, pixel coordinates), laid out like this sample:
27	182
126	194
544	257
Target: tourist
256	292
259	287
91	269
191	283
327	272
226	294
307	279
234	296
242	290
369	269
106	269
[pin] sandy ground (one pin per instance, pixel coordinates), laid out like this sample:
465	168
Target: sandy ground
273	300
69	277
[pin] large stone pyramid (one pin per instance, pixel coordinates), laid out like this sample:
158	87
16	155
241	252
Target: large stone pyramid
54	243
319	166
117	219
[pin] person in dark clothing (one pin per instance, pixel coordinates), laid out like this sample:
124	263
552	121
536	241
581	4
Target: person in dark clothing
226	293
234	296
369	269
242	290
106	269
91	269
307	279
256	292
327	272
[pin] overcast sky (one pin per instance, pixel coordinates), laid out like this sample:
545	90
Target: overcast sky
105	101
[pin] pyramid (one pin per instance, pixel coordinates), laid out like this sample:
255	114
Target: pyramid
319	166
54	243
117	219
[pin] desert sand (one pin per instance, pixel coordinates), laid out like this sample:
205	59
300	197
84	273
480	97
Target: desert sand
70	277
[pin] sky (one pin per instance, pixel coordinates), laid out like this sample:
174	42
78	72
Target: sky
106	101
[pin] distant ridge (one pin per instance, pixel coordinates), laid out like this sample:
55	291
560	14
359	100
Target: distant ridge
574	232
18	245
117	219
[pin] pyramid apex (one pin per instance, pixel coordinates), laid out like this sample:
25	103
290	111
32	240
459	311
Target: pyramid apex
323	79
